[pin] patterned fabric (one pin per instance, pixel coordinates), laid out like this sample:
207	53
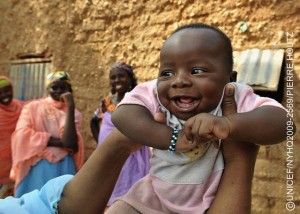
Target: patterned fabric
123	66
108	104
56	76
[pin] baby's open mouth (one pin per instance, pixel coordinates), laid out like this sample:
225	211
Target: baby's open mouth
186	104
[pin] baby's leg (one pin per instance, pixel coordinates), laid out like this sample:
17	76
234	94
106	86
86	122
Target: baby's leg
121	207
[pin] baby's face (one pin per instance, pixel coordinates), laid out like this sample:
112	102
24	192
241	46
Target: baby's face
193	72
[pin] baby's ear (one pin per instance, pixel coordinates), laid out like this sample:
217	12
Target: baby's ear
233	75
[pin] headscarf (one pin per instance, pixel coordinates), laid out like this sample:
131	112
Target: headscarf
4	82
123	66
127	68
57	76
9	115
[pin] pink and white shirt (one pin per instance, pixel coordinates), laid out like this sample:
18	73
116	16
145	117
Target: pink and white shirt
182	182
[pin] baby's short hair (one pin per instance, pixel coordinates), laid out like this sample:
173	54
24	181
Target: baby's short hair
224	37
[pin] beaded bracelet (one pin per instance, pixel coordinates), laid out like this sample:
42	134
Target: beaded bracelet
173	141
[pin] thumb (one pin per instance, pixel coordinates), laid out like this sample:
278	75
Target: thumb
228	102
160	117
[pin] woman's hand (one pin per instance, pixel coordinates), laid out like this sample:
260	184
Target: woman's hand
55	142
68	99
234	192
235	150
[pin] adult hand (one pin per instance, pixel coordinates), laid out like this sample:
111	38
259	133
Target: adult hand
233	149
234	192
54	141
67	98
160	117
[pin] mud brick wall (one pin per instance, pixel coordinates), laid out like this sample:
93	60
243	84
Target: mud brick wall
86	36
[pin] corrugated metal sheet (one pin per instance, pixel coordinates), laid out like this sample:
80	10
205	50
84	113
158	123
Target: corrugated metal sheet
29	78
259	68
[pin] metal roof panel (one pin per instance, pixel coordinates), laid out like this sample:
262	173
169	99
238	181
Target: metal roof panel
259	68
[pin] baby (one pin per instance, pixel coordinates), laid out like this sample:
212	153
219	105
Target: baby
195	65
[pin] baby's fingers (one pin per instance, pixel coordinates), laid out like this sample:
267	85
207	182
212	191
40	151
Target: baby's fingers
204	138
183	144
188	127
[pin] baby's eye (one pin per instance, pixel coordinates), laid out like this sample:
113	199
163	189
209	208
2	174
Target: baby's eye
197	71
166	74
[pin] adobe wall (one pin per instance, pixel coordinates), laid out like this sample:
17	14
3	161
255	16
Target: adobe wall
85	37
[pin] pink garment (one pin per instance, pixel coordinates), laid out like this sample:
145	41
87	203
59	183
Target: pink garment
8	119
9	115
39	120
188	199
177	183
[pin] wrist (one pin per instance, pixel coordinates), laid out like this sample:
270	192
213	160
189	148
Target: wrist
173	141
119	143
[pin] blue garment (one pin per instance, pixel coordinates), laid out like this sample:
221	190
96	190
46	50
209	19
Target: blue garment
44	171
36	202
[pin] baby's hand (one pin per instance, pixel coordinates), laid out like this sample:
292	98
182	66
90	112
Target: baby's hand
183	144
204	128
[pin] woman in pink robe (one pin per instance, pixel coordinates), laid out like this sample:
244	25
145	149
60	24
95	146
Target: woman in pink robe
10	110
47	142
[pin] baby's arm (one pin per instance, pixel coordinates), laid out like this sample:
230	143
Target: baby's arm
137	123
265	125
